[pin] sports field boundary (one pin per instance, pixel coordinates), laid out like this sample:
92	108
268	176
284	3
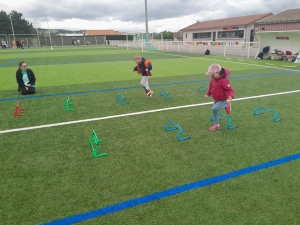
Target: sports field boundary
228	61
171	192
14	59
138	87
136	113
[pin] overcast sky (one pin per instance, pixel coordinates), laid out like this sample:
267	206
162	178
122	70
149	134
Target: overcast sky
129	15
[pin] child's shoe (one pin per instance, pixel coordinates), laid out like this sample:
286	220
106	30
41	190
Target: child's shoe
215	127
149	93
228	107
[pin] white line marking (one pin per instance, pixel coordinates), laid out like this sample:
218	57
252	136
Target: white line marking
289	66
135	113
229	62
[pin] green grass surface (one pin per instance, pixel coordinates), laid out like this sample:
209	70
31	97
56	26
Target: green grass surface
49	173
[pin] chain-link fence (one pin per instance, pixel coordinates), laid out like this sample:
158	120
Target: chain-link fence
34	40
240	49
3	37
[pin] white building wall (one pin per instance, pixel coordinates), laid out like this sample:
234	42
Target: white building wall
188	36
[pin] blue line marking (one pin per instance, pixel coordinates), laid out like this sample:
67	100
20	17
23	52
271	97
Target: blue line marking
170	192
135	87
14	59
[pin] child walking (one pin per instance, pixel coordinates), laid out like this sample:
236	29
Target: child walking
220	90
143	67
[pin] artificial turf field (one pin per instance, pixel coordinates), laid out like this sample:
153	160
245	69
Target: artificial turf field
49	174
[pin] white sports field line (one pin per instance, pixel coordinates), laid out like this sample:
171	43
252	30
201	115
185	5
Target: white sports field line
242	63
136	113
289	66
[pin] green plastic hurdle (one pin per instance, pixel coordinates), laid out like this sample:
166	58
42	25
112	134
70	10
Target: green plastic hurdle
94	141
68	103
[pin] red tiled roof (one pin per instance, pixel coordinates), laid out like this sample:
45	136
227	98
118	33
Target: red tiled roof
178	36
291	15
101	32
227	22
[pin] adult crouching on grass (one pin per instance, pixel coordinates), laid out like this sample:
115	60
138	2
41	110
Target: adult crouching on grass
25	79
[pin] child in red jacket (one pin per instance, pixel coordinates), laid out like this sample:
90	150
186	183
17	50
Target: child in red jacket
220	90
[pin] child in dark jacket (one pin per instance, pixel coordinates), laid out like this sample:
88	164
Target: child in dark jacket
143	67
220	90
25	79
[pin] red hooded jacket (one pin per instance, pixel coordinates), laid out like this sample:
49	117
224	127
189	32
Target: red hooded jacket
220	88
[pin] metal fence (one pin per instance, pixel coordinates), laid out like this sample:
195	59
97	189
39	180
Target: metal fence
241	49
33	40
4	38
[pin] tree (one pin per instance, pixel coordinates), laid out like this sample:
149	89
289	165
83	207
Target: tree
21	26
5	27
166	35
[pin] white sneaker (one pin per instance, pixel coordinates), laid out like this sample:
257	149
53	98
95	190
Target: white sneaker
150	93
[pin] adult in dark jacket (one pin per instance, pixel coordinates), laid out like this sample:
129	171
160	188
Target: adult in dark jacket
25	79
